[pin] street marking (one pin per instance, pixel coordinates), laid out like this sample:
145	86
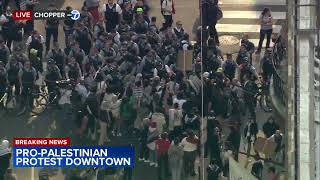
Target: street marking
254	2
251	15
241	28
32	173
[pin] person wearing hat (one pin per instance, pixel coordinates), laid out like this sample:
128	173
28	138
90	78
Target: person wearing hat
229	67
35	41
112	14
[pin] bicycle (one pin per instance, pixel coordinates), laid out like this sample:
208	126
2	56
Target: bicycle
263	96
7	98
46	99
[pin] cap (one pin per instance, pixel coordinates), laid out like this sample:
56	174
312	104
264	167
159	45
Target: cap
206	74
229	53
139	10
5	144
219	70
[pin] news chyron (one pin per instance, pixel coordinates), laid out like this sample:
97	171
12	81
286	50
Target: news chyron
45	14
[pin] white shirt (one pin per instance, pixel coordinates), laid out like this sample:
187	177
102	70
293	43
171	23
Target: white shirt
65	96
187	146
175	117
179	101
167	5
118	8
82	90
29	40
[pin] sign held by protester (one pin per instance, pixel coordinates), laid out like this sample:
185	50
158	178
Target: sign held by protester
236	172
184	60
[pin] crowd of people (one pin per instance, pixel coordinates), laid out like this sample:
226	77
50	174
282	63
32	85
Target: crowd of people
124	79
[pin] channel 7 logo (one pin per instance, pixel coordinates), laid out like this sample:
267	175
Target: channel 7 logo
74	15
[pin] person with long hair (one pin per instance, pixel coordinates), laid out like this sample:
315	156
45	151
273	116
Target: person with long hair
266	23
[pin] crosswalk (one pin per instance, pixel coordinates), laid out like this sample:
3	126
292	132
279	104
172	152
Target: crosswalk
242	17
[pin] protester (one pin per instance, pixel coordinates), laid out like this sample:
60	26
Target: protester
266	23
175	155
162	147
190	146
270	127
257	167
250	134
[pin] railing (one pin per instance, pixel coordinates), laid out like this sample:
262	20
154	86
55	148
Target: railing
279	85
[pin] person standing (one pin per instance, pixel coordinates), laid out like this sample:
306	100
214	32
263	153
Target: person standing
210	11
250	133
175	154
270	127
266	23
52	26
162	147
257	167
27	79
153	135
35	41
112	14
167	10
190	147
93	8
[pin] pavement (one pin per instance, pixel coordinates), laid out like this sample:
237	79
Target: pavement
240	16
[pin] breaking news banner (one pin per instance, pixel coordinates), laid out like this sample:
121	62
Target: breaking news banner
57	152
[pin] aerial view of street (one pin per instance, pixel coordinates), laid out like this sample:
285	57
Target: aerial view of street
202	89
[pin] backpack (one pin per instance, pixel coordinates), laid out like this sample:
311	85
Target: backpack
219	13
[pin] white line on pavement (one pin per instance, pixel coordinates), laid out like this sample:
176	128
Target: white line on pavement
254	2
234	28
251	15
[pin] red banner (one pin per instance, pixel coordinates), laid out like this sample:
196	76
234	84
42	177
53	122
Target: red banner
41	141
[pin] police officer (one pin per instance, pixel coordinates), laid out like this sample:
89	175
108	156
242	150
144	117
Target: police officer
19	54
27	79
58	56
51	76
52	25
77	53
112	14
4	52
73	70
13	67
36	41
93	59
